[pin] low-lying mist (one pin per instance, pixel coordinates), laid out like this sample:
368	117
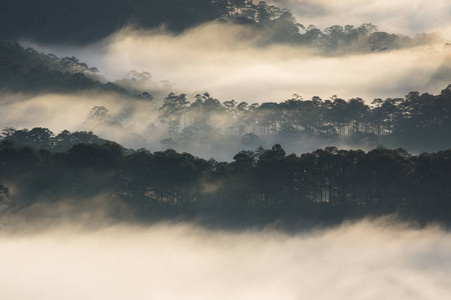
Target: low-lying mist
365	260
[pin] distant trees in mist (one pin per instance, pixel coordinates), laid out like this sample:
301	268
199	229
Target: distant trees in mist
417	121
267	184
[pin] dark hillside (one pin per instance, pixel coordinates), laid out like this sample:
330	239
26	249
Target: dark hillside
26	70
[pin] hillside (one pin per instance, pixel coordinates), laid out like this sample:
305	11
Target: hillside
26	70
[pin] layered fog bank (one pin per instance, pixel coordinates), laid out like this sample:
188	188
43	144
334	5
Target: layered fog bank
226	62
211	63
236	62
366	260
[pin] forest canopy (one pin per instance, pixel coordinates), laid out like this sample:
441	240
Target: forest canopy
257	187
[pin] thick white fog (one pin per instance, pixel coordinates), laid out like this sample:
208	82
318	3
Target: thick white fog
366	260
218	59
226	61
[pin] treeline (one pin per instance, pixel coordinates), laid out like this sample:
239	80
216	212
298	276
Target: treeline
81	22
417	121
45	139
327	184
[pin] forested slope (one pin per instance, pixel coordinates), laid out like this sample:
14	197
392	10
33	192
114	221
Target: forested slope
28	71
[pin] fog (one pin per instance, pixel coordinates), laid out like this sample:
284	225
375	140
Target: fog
76	250
366	260
130	122
407	17
229	62
212	58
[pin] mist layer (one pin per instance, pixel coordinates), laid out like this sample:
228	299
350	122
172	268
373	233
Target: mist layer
368	260
228	62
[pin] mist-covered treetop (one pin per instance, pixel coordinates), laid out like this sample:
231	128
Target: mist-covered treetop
416	121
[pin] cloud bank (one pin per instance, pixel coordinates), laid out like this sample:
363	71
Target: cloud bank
212	58
367	260
228	62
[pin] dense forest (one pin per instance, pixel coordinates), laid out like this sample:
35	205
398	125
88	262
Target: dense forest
257	187
55	22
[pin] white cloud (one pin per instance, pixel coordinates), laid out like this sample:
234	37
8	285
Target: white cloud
226	61
361	261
